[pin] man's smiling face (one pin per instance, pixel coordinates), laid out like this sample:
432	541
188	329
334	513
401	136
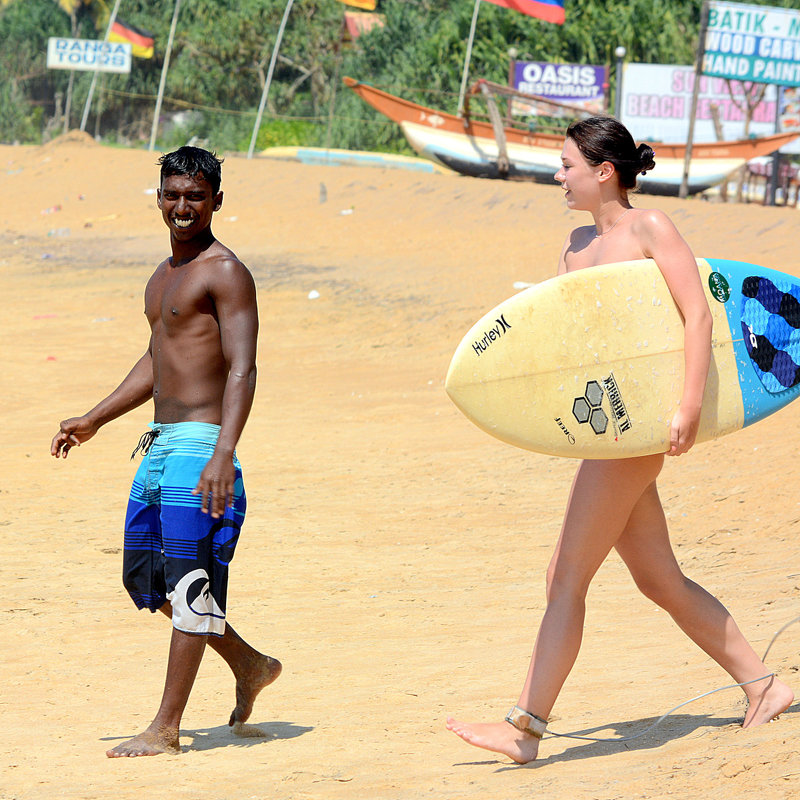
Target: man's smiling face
187	204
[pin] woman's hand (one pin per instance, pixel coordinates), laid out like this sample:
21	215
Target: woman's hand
683	430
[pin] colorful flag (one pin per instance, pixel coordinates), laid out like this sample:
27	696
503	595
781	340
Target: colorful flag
72	6
97	8
142	41
358	22
548	10
367	5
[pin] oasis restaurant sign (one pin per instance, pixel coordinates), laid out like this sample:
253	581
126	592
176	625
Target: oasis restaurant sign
753	43
88	54
575	84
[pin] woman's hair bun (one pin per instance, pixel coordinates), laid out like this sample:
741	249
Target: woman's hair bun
647	157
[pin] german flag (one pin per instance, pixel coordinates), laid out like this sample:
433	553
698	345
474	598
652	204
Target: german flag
124	32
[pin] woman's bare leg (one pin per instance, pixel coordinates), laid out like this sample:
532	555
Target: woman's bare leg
604	494
646	550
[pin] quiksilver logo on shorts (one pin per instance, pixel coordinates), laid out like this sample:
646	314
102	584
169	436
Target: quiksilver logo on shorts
492	335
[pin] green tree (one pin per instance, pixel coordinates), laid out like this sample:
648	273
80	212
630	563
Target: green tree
27	87
222	49
422	33
420	52
219	61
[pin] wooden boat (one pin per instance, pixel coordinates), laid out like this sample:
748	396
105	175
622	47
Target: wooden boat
490	149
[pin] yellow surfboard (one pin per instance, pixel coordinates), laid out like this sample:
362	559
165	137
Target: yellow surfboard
590	364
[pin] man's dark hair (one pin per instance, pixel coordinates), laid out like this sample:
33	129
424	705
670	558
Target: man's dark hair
192	161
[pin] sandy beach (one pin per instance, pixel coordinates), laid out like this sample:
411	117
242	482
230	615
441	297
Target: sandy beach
393	556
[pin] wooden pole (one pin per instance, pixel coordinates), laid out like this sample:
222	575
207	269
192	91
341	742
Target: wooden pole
723	187
163	82
111	20
467	58
71	82
774	177
698	71
268	81
68	105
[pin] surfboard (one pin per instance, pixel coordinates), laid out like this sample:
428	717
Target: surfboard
353	158
590	364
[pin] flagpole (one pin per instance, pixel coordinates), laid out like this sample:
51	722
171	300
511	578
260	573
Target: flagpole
111	20
71	82
269	78
463	91
163	81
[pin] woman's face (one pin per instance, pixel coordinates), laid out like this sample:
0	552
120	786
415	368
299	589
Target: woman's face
579	179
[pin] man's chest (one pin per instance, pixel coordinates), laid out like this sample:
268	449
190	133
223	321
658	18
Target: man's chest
176	296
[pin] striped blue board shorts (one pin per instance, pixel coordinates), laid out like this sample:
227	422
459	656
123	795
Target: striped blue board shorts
173	551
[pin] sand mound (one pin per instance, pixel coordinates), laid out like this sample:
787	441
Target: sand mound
72	137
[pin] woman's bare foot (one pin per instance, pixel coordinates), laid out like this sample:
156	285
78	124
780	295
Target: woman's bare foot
766	704
500	737
150	743
252	676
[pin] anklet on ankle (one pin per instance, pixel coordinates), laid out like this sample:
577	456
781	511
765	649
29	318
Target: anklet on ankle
526	722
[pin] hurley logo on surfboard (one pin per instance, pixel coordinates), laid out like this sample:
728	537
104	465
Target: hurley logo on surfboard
494	333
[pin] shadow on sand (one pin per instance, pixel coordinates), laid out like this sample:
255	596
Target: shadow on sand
223	736
676	726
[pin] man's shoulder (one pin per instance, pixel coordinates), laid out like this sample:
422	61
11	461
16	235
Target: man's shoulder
221	260
159	270
224	271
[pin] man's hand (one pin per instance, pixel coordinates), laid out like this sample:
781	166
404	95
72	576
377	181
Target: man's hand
217	482
74	432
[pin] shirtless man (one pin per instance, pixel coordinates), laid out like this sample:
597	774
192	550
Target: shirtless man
187	503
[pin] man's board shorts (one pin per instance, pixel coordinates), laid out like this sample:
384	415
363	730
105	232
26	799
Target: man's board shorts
173	551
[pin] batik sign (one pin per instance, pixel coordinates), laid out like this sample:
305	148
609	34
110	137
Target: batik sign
753	43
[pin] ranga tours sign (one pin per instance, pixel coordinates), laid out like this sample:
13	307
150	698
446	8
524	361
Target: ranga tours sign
88	54
753	43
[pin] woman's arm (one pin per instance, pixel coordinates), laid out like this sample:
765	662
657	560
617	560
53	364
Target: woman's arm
662	242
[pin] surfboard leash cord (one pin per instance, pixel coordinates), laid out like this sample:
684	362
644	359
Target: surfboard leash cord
655	724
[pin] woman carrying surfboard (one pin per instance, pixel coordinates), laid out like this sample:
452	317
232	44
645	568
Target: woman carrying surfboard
614	503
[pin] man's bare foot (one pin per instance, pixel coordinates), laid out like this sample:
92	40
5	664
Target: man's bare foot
501	737
149	743
251	677
766	704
